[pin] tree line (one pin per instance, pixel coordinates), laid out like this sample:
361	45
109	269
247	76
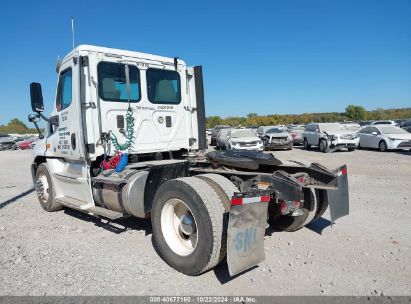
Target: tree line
16	126
352	113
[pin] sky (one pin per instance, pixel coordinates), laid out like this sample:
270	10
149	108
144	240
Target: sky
264	57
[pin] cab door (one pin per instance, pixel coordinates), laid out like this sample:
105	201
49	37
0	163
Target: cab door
65	140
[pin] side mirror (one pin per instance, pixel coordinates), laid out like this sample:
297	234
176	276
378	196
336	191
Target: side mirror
36	96
374	133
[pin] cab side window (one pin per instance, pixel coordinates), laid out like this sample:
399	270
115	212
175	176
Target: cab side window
163	86
65	90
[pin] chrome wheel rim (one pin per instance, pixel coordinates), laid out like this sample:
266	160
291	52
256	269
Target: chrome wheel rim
179	227
42	188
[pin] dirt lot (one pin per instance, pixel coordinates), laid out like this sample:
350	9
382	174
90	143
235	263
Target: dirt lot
69	253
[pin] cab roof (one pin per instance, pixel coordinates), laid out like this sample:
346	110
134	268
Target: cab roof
122	53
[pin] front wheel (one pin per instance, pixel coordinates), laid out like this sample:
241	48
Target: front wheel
323	146
383	146
187	222
44	189
306	145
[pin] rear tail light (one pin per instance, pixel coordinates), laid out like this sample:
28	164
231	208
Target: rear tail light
283	207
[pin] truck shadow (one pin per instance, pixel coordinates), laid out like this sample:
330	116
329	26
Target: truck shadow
220	271
15	198
319	225
116	226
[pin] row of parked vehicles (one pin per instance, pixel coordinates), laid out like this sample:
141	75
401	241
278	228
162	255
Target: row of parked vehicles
8	142
327	137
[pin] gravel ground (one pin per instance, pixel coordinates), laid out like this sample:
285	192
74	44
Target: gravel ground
70	253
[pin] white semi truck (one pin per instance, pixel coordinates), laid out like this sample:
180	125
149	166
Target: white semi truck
127	137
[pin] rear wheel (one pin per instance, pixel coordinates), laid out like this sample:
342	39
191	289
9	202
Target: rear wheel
293	223
382	146
351	149
187	221
306	145
44	189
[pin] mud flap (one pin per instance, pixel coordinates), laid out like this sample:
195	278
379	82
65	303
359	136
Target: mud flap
245	236
338	199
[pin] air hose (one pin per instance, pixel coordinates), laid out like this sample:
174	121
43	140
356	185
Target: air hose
129	133
129	120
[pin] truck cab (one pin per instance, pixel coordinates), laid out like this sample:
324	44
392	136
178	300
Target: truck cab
125	138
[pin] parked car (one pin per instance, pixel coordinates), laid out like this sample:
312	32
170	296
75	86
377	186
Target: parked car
277	138
406	125
296	132
214	133
222	138
383	122
329	137
261	130
7	142
26	144
242	139
385	137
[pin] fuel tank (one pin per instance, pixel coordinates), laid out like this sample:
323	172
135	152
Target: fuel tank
121	191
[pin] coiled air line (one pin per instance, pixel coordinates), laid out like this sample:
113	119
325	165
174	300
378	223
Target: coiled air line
129	121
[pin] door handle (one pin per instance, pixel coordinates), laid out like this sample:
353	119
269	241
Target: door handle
73	141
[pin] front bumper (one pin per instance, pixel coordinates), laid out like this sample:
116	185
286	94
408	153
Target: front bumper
399	144
345	144
248	148
278	144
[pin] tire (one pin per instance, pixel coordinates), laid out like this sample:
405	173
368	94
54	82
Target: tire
290	147
225	190
382	146
199	248
351	149
44	189
323	146
306	145
222	186
293	223
322	204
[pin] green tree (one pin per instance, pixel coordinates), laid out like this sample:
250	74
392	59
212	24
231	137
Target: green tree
355	112
16	126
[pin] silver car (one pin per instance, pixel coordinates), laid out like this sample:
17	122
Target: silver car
384	137
277	138
241	139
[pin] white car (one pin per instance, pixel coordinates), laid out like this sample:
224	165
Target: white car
383	122
243	139
329	137
384	137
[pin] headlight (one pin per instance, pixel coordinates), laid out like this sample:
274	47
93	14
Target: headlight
392	138
234	143
333	137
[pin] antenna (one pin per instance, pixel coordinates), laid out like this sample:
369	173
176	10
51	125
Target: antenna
72	29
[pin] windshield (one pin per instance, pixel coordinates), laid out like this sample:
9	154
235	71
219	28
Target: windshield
332	127
242	133
297	128
275	130
392	130
383	123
